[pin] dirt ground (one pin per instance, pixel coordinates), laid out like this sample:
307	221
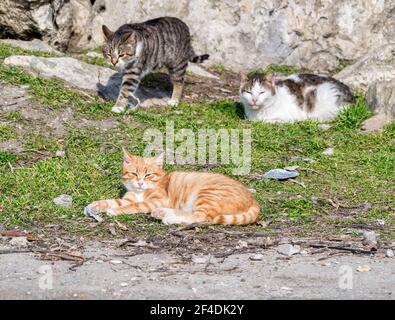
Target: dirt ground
113	272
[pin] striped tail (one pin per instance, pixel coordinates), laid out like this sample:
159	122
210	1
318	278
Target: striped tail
199	59
250	216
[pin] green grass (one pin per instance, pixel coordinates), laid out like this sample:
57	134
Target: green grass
6	132
360	171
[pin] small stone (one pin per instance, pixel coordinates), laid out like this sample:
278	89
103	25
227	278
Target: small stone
288	249
364	268
19	242
280	174
124	284
324	126
292	168
241	244
389	253
328	151
60	153
64	200
257	257
112	231
380	222
286	288
116	262
369	238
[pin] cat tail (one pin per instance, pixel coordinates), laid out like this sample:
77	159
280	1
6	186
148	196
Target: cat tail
250	216
198	59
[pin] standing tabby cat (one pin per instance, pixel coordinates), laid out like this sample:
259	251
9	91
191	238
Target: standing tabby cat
180	197
139	48
297	97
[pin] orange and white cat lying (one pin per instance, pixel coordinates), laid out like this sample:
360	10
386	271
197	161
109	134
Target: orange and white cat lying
180	197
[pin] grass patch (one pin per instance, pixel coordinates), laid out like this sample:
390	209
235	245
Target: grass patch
360	171
6	132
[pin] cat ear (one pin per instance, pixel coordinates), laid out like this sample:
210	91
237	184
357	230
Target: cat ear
107	32
130	37
159	160
271	79
127	156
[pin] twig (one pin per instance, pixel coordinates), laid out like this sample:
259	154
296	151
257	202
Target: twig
353	250
10	251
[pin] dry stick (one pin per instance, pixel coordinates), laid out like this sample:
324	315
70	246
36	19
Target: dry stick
353	250
10	251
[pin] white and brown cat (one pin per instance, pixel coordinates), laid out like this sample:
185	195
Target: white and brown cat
180	197
297	97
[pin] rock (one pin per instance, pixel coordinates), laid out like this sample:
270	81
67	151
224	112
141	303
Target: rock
241	244
288	249
196	70
324	126
369	238
19	242
247	33
257	257
60	153
90	213
280	174
389	253
364	268
124	284
116	262
307	160
381	96
81	75
375	123
64	200
49	20
292	168
33	45
380	222
376	66
328	151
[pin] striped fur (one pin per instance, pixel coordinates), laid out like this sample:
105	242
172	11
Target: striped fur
140	48
180	197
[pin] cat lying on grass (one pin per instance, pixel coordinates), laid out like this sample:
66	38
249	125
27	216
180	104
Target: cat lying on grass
297	97
180	197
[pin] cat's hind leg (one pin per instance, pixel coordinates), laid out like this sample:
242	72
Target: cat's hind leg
176	216
177	75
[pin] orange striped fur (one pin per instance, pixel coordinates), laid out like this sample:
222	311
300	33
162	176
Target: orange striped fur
180	197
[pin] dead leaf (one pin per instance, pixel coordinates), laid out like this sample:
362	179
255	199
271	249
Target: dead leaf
121	226
18	233
364	268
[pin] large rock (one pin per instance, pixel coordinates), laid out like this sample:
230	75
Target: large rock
376	66
251	33
51	20
33	45
381	97
81	75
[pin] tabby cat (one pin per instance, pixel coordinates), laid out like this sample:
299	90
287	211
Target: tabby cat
180	197
140	48
297	97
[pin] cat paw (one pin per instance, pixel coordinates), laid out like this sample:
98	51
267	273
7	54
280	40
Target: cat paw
118	109
172	218
111	212
158	213
173	102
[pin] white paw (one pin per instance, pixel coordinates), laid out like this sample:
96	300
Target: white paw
159	213
118	109
171	218
111	212
173	102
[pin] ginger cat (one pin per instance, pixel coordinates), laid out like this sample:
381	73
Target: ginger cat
180	197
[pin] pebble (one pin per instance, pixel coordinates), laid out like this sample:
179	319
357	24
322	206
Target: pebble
328	151
199	259
19	242
116	262
257	257
64	200
280	174
389	253
124	284
288	249
60	153
364	268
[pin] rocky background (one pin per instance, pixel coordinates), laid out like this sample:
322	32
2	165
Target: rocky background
327	35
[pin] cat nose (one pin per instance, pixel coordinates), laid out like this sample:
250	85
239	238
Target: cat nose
140	183
254	100
114	61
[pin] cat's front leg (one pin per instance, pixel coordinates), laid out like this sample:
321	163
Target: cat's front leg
104	205
127	97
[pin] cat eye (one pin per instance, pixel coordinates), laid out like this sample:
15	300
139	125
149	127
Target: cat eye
262	92
148	175
122	55
249	92
133	174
